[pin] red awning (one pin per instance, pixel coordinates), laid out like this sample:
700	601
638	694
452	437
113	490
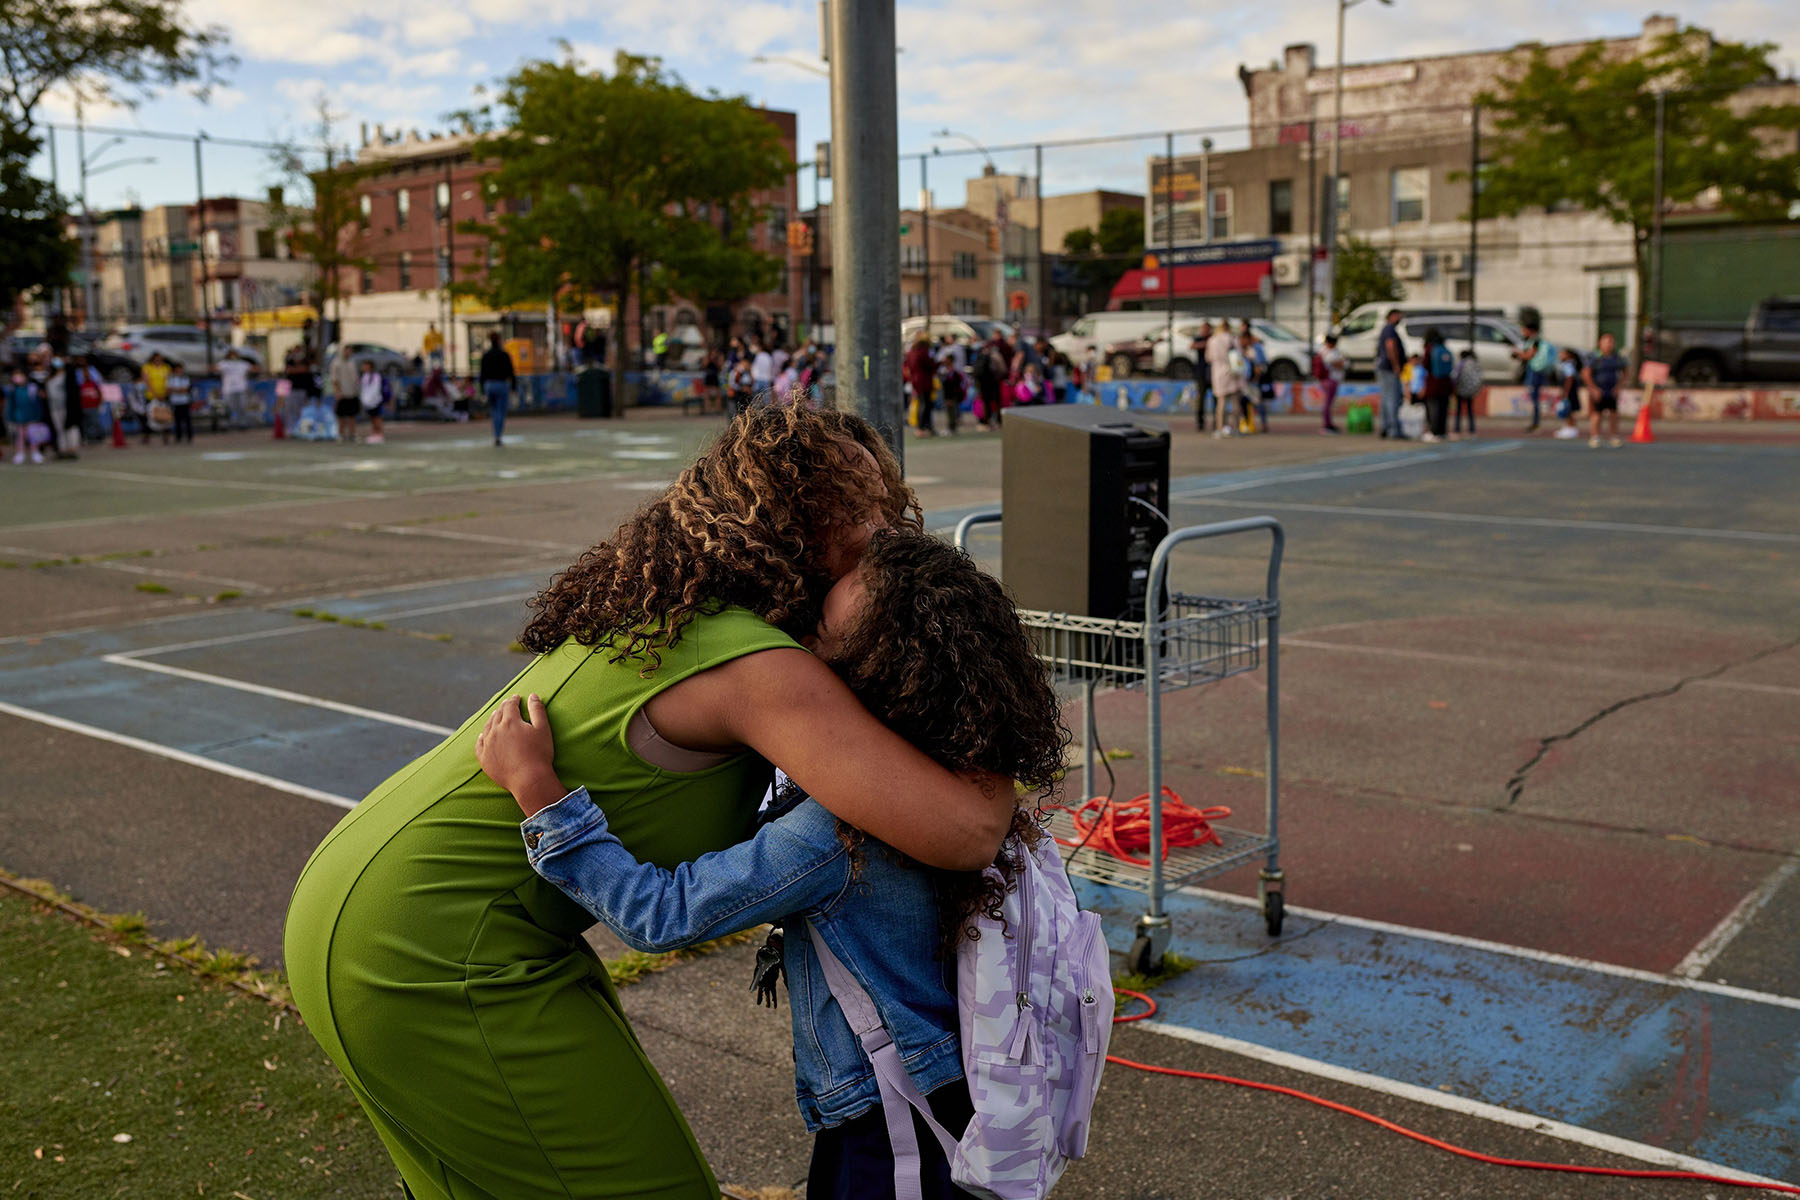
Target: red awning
1205	279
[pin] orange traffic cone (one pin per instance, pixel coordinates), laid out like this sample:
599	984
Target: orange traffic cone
1641	431
118	427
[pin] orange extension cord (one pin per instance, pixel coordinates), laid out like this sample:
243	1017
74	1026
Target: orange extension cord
1403	1131
1122	828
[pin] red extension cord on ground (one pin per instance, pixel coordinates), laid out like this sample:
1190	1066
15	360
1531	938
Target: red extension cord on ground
1122	828
1403	1131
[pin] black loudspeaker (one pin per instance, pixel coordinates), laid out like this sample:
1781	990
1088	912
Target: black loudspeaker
1085	491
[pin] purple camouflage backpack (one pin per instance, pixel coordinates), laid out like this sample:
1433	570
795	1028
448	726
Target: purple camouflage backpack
1035	1001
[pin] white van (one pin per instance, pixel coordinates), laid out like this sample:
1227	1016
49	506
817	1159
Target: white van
1097	331
1496	338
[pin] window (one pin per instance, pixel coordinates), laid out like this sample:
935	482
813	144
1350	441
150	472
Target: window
440	201
1281	206
962	265
912	257
1408	189
265	243
965	306
405	267
443	266
368	281
402	208
1778	317
364	207
1219	209
1461	292
778	225
915	304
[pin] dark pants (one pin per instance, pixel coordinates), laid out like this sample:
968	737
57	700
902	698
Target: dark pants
990	401
854	1161
1328	389
184	422
1437	406
1465	404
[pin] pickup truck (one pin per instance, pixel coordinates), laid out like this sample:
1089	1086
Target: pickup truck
1700	353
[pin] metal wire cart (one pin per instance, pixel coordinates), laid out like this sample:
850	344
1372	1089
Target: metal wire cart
1195	640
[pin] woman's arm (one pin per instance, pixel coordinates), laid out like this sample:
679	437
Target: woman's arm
788	706
793	864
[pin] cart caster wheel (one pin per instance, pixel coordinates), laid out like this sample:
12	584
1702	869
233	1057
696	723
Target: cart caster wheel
1142	959
1274	909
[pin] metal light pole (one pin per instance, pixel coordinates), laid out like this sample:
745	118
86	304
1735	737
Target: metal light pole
865	219
1043	288
1168	265
925	235
1656	234
1337	142
1000	222
200	242
89	285
1474	208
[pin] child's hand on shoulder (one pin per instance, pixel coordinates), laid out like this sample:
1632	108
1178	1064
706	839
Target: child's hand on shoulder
518	752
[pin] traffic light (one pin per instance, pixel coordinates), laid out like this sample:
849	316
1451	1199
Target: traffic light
800	237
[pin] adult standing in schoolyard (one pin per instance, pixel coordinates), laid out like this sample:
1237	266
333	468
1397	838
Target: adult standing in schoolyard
346	390
921	376
1390	357
156	393
1202	376
1602	374
1227	381
762	368
234	388
1439	367
497	378
1539	357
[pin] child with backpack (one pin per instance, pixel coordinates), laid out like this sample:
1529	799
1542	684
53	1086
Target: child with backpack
953	385
1568	374
1468	386
903	986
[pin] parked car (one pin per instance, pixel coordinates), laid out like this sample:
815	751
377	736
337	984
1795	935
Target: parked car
388	361
1097	332
1289	356
1497	340
976	329
1765	346
114	367
185	344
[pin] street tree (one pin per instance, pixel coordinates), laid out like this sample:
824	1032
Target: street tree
317	208
37	252
1100	257
621	184
100	50
1363	276
1583	132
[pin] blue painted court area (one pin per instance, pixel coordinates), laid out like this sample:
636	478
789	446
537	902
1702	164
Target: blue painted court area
1700	1070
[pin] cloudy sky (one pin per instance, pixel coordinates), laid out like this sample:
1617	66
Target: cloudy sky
1001	71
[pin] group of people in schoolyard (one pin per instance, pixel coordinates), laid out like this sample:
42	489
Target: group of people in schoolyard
1235	386
986	376
732	377
1433	377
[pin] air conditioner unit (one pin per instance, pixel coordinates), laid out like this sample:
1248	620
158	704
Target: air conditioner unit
1408	264
1453	262
1287	270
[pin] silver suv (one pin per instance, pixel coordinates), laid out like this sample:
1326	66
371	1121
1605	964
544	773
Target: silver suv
185	344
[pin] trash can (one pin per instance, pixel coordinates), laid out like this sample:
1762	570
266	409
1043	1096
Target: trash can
593	393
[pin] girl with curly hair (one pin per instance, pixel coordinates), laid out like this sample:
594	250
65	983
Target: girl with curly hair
450	983
934	648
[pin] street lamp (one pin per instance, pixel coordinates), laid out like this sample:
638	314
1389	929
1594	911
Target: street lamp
89	286
1337	139
799	64
1000	216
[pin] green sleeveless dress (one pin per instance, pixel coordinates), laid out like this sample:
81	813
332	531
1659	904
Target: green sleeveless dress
450	983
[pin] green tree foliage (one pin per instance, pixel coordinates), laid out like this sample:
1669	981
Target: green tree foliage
608	179
1583	132
321	219
1363	277
1099	258
31	224
102	49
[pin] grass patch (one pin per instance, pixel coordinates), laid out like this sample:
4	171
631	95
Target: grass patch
220	1092
47	562
227	594
304	613
6	564
633	965
1173	967
1115	754
330	618
355	622
377	624
151	586
442	637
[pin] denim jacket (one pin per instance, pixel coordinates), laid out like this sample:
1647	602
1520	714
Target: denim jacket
883	925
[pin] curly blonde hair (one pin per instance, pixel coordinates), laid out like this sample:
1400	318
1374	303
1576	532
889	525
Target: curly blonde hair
748	523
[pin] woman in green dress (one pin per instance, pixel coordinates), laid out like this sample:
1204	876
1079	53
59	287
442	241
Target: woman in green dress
451	985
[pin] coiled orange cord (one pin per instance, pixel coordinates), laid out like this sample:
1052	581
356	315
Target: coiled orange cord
1121	828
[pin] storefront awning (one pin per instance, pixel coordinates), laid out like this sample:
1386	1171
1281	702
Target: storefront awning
1205	279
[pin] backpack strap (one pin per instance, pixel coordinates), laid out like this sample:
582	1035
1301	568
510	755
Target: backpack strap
898	1092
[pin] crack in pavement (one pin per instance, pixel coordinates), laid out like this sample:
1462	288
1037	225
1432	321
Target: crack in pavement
1515	787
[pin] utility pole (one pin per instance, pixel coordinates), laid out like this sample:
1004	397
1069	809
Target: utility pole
87	223
200	243
1656	232
449	305
1474	208
925	233
1312	226
56	296
1043	288
865	220
1168	265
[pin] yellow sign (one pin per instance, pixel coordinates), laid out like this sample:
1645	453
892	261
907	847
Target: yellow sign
261	320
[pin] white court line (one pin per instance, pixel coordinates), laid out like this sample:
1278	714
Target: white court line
1475	660
458	536
510	598
171	647
1510	951
1726	931
1592	1139
184	481
1399	462
416	586
258	689
1413	514
180	756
